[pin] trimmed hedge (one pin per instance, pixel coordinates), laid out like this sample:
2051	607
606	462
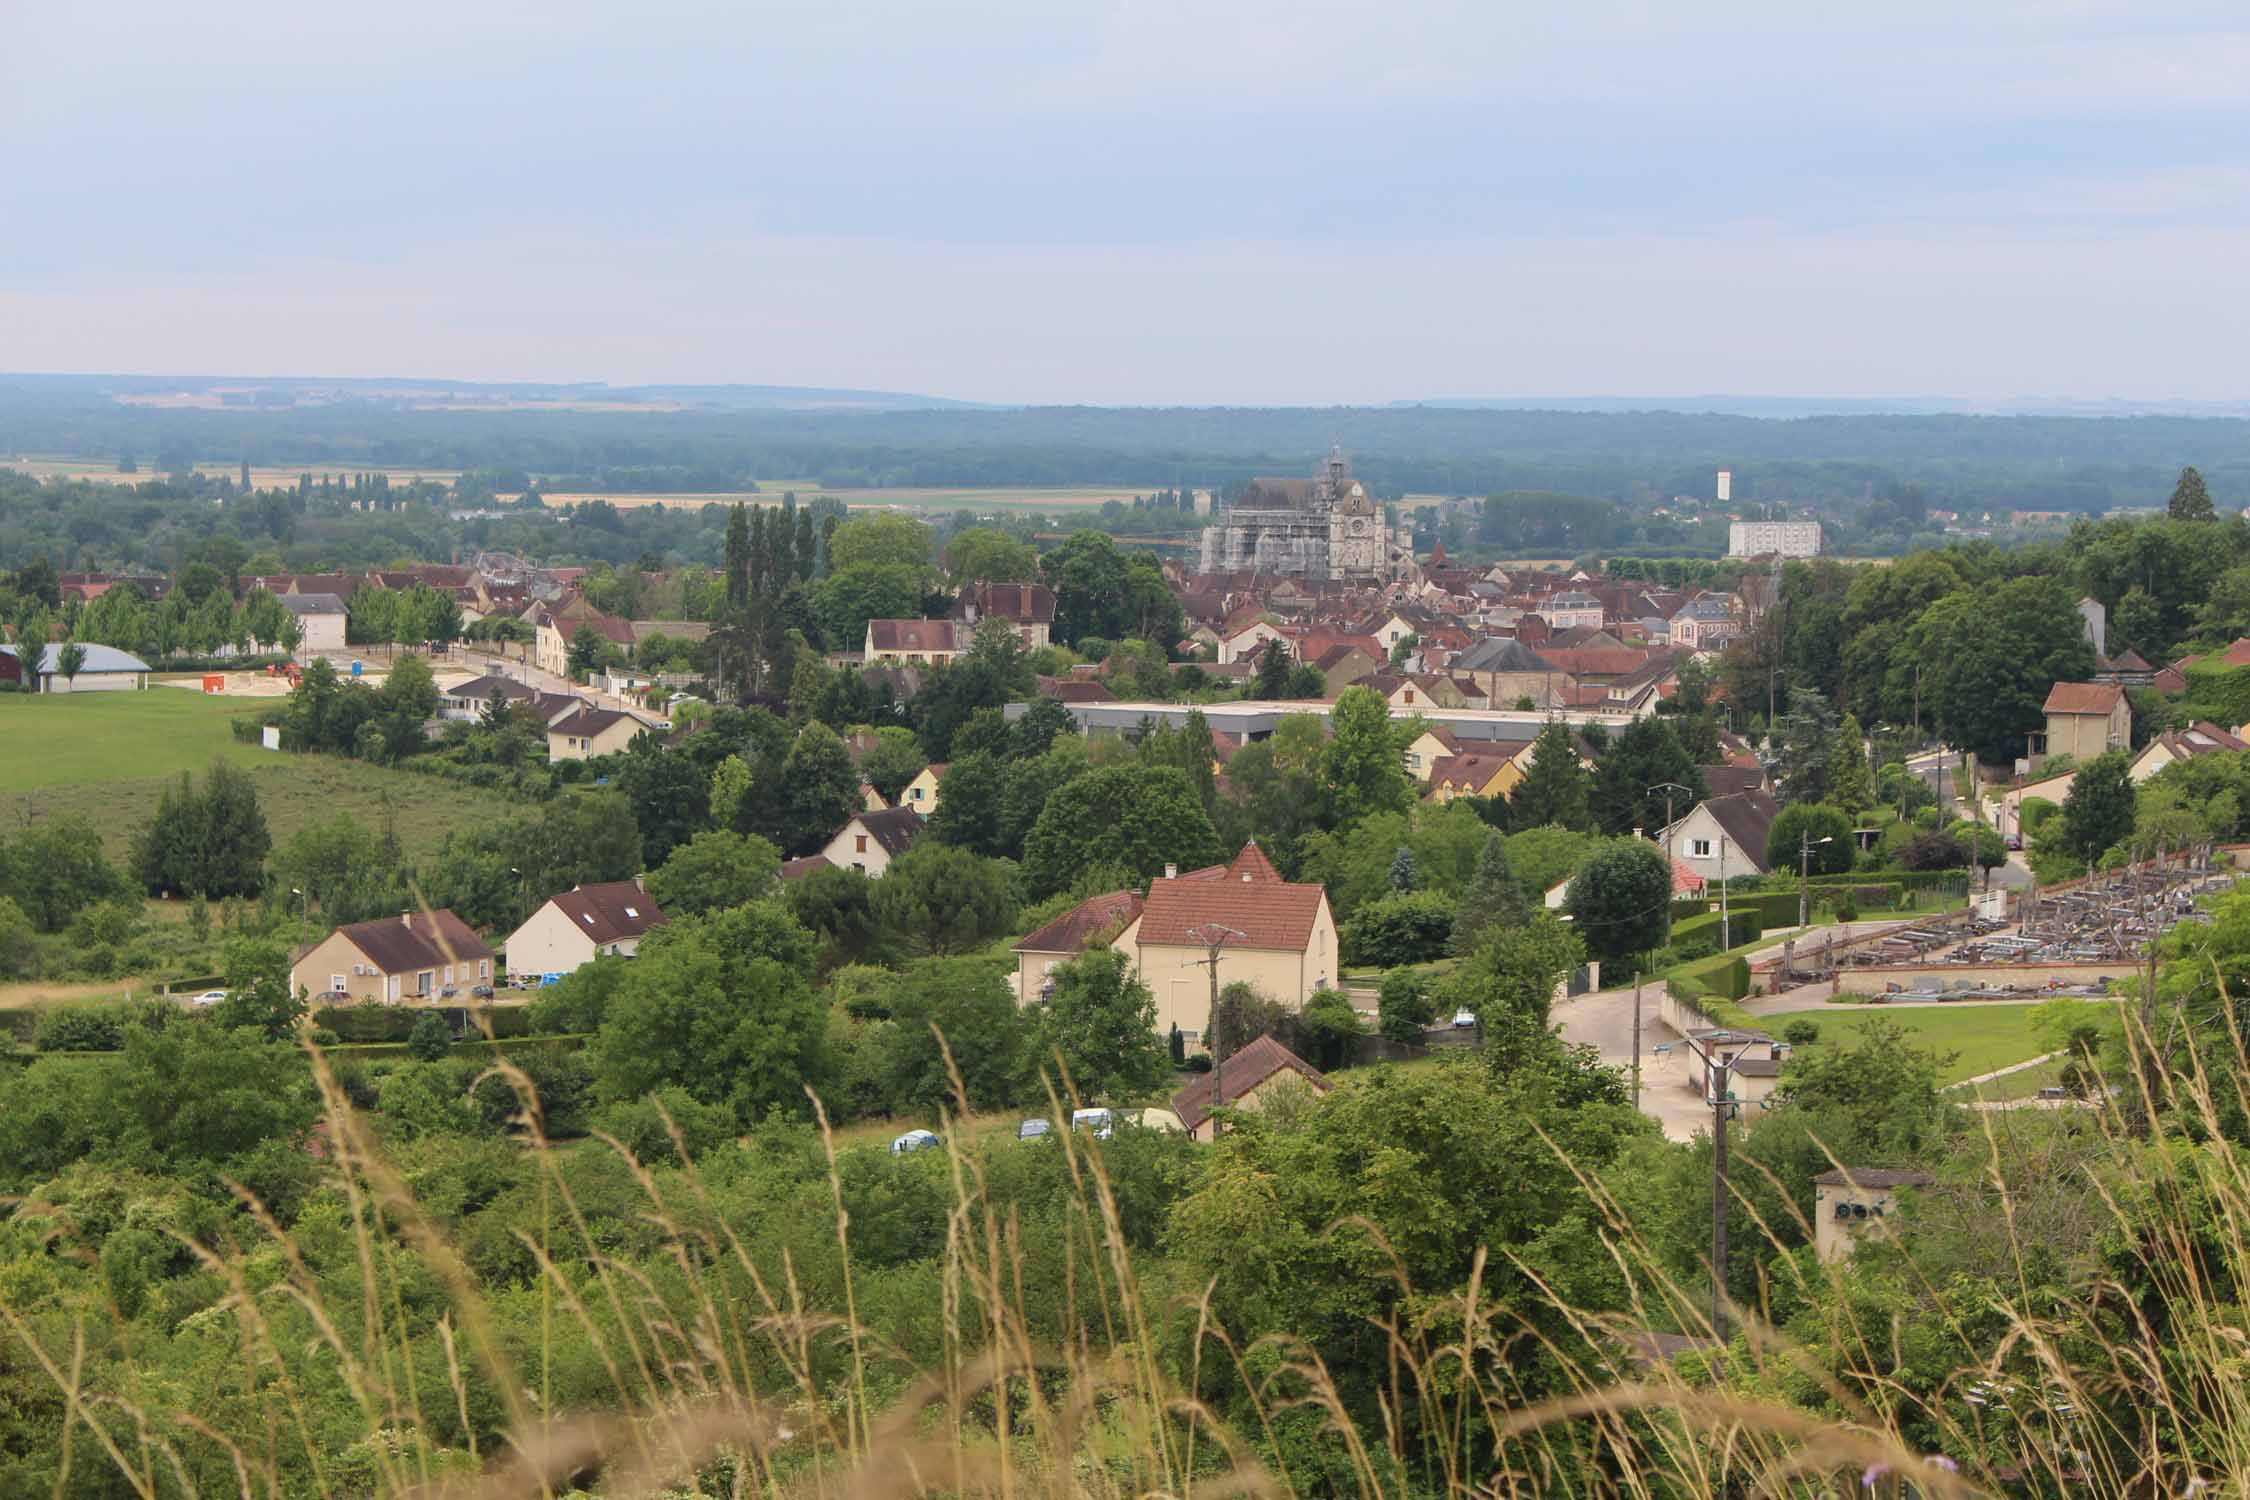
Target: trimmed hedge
1722	977
1709	929
394	1023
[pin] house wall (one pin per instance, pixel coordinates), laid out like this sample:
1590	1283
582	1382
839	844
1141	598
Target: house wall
920	794
548	943
612	741
1835	1238
1256	1099
2082	736
551	650
1726	857
336	957
857	849
1181	984
322	632
94	682
1248	642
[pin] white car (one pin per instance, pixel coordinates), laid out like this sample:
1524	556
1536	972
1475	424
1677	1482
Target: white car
914	1140
1464	1018
208	999
1099	1121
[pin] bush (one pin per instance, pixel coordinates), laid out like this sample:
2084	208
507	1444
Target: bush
1727	978
1801	1033
431	1038
639	1126
1409	927
1700	937
81	1028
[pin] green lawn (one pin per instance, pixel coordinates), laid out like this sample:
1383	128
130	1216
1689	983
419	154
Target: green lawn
2023	1085
71	739
1985	1037
108	757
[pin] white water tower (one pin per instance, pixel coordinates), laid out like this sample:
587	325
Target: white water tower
1726	485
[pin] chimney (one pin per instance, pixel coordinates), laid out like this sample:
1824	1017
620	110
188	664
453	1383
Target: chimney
406	919
1171	872
1636	833
638	884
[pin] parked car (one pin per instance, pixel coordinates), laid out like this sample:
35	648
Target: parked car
1032	1130
480	992
1100	1121
913	1140
449	993
1464	1018
208	999
332	997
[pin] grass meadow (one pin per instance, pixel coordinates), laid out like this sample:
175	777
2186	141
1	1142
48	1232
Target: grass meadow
107	757
1982	1037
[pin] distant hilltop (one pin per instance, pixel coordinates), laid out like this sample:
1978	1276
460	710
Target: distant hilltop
1843	406
282	392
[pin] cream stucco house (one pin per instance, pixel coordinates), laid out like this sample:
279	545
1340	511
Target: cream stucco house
921	793
871	840
580	925
413	956
1245	1081
1279	937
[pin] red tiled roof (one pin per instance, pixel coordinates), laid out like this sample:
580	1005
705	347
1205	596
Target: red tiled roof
791	869
910	635
2083	697
1240	1074
1250	896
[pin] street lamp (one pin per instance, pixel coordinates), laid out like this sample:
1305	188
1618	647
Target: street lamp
303	903
1719	1051
1806	843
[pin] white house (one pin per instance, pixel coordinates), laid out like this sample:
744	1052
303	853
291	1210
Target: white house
1723	836
582	924
321	618
871	840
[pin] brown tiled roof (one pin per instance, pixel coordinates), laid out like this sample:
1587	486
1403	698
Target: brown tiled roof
1469	768
792	868
894	828
1747	817
1079	692
589	722
2083	697
1024	603
910	635
1250	896
1725	781
1241	1073
419	940
611	911
1071	931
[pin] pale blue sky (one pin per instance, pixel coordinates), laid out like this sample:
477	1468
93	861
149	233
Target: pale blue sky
1036	200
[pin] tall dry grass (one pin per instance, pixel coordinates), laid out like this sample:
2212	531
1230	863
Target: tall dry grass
2086	1391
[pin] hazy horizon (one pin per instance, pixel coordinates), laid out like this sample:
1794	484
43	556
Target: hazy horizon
1154	204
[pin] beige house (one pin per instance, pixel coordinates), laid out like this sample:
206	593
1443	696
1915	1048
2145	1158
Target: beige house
1093	923
921	793
413	956
1755	1072
580	925
1474	773
1244	1081
1278	936
925	641
1246	643
871	840
594	731
2085	719
1030	607
1723	837
1429	747
1851	1204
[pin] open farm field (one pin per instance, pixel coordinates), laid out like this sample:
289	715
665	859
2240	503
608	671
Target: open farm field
104	471
1983	1037
108	757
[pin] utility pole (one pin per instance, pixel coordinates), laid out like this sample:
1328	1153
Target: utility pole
1668	788
1636	1039
1726	926
1213	936
1719	1049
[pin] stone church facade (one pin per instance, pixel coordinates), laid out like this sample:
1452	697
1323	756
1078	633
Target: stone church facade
1326	527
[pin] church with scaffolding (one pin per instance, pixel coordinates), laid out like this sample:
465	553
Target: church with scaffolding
1327	527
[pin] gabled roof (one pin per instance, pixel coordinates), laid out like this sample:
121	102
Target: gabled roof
791	869
609	912
1502	654
1024	603
1238	1076
1249	896
590	723
894	827
489	687
2083	697
1469	768
1725	781
417	940
910	635
1746	818
310	604
1070	932
99	658
1076	692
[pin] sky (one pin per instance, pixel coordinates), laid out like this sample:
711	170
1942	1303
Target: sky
1153	202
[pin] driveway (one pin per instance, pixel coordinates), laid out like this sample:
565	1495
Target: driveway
1603	1020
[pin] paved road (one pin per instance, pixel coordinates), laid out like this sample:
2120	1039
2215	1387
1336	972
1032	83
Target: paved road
1603	1020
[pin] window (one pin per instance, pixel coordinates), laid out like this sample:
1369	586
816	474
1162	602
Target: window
336	982
1699	849
859	846
484	968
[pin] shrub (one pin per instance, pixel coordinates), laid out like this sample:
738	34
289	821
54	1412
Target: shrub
1801	1032
431	1038
1409	927
81	1028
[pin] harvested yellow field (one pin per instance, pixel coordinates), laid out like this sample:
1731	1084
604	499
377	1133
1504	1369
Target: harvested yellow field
262	477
